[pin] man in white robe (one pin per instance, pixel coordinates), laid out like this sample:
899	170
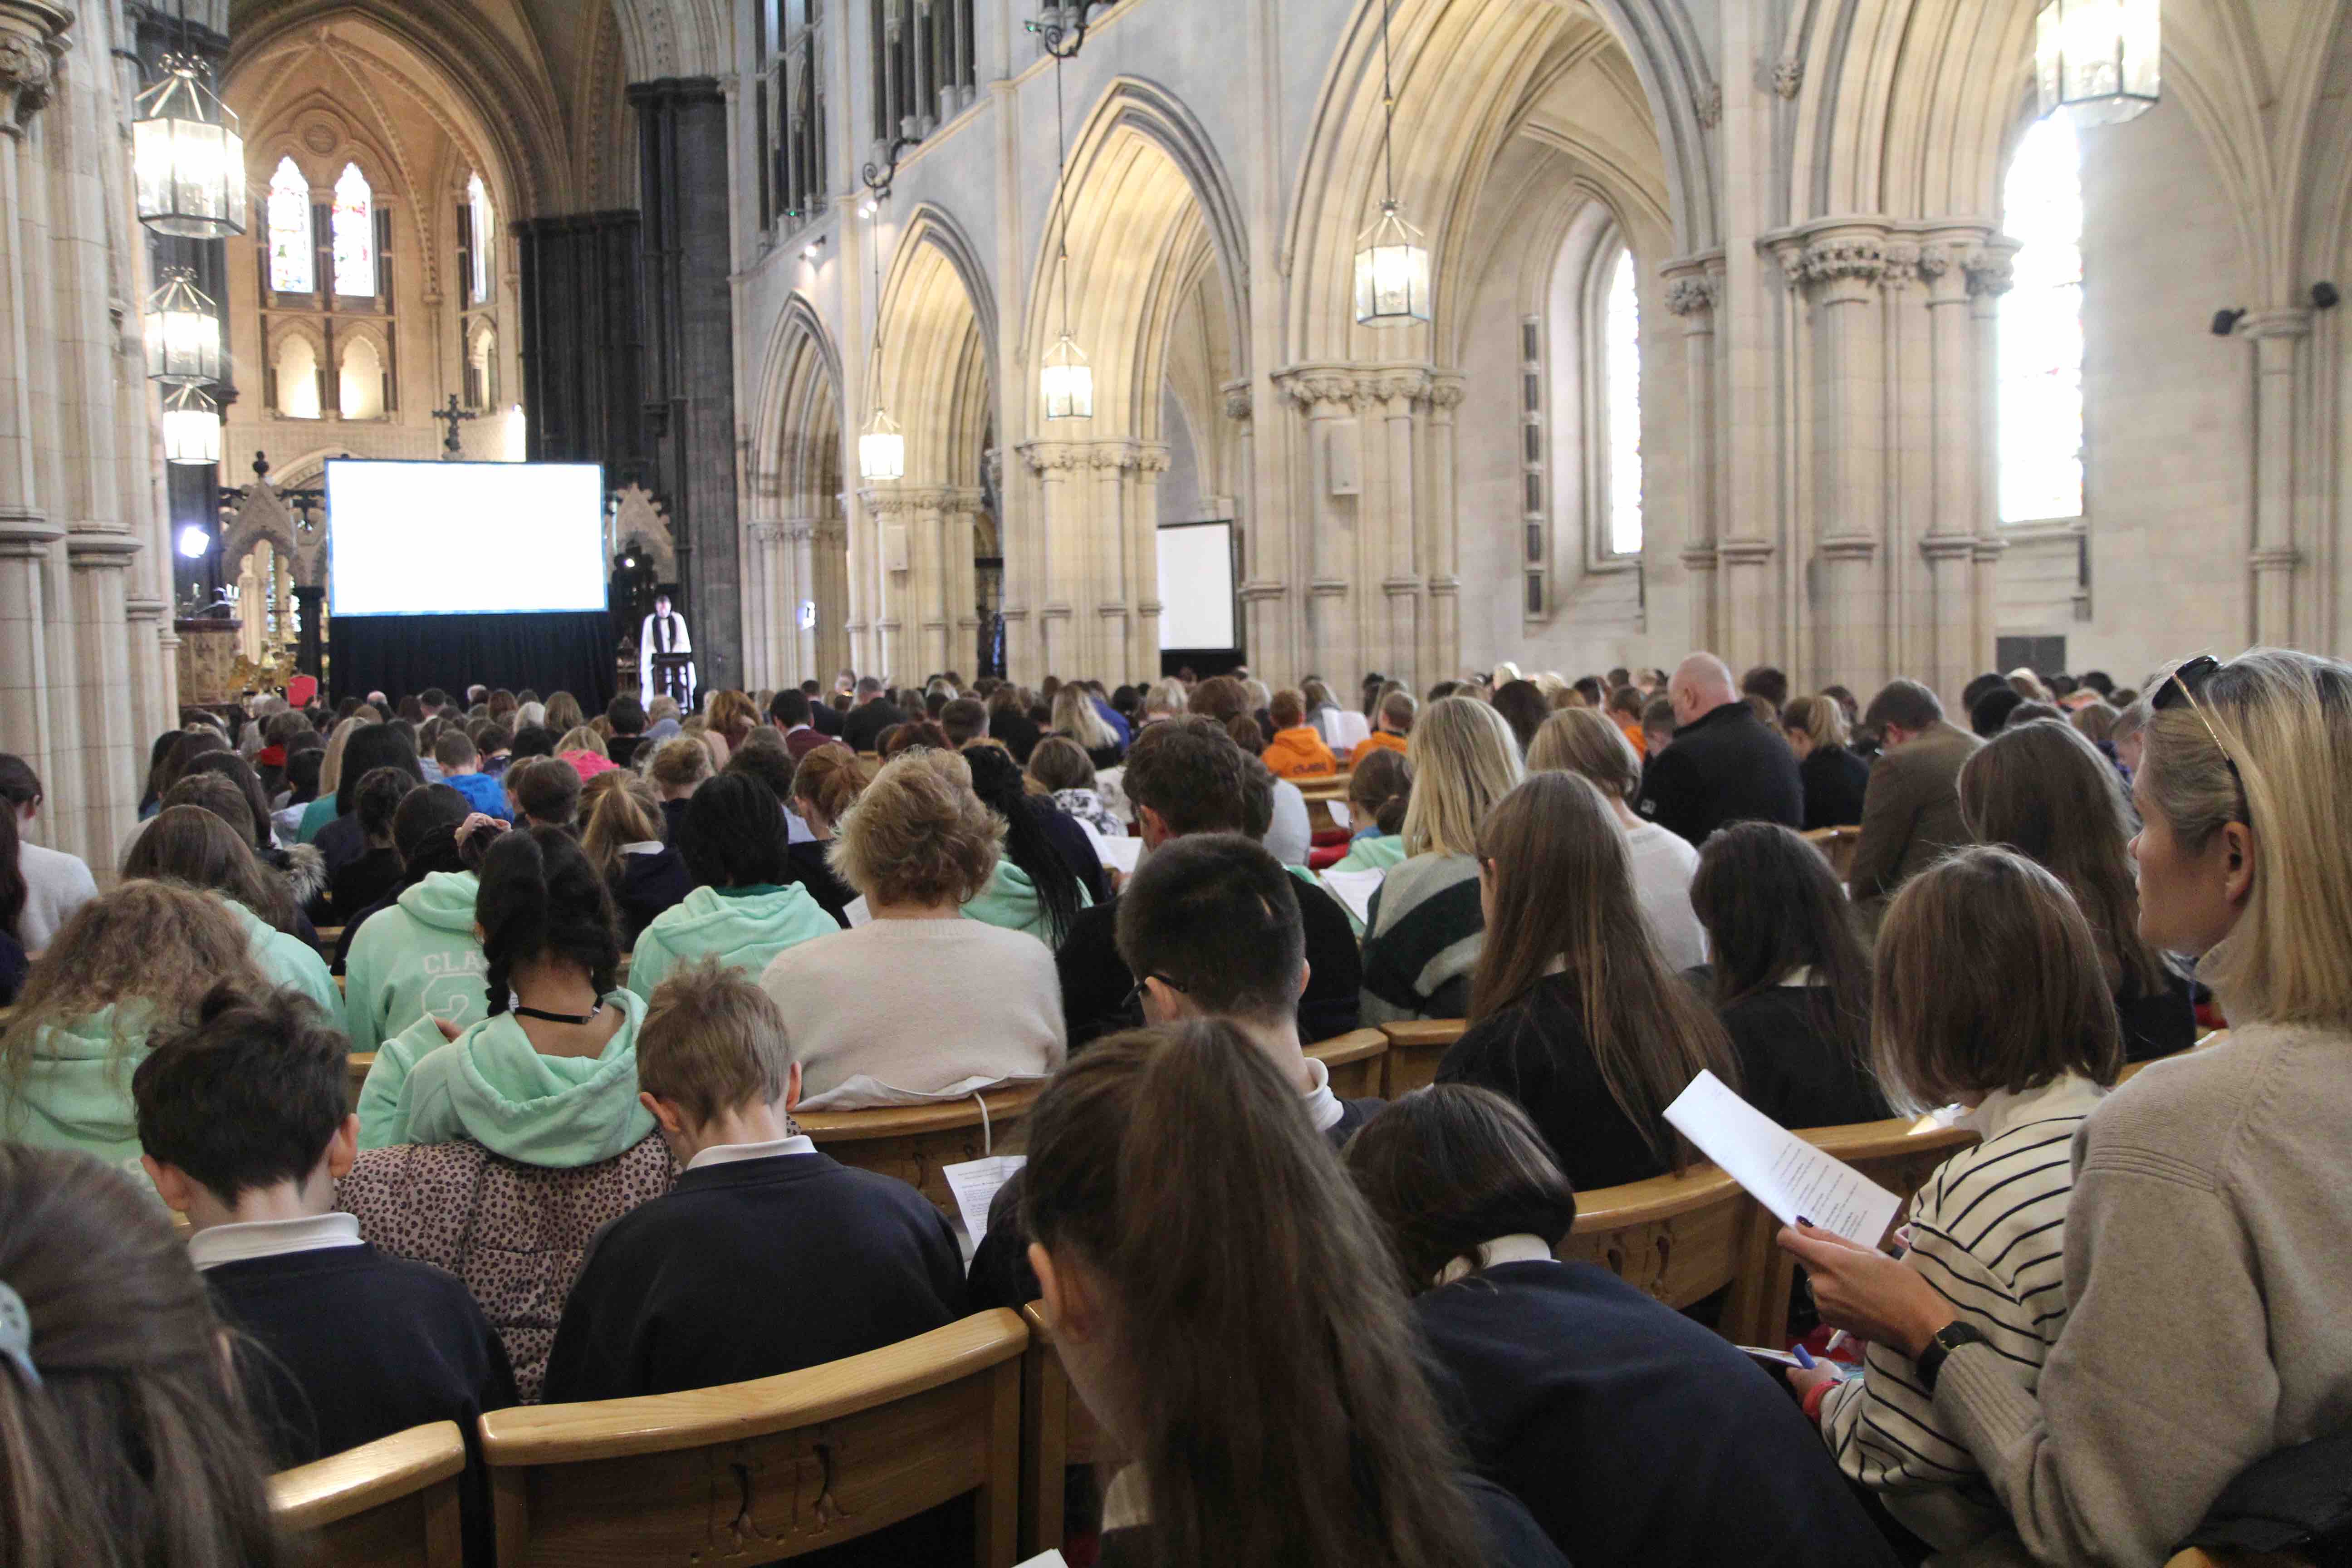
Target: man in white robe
664	632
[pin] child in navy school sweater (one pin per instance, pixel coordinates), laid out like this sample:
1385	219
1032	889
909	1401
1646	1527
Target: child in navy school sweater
245	1128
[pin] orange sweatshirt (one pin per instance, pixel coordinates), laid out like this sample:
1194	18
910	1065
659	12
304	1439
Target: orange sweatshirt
1376	740
1299	753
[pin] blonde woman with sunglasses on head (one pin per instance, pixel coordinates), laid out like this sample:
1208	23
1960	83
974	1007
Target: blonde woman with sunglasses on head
2207	1271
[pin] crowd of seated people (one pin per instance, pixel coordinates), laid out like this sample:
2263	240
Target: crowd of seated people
601	964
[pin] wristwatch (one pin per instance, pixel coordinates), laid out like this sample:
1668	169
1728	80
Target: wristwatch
1946	1339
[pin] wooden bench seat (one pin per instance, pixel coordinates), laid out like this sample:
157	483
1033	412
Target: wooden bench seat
391	1503
914	1142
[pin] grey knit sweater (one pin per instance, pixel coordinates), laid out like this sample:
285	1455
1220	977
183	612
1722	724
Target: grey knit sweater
2209	1272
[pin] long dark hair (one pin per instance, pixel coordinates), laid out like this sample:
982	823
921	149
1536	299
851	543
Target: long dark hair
188	844
235	769
424	832
137	1446
1564	890
733	832
370	747
1310	1435
1773	906
1452	1167
540	898
12	874
377	797
996	779
2045	791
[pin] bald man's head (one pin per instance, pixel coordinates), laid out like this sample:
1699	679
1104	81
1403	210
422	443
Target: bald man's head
1701	684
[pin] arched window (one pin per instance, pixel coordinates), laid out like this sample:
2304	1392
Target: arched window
292	261
1621	357
2042	329
362	381
354	231
485	231
298	378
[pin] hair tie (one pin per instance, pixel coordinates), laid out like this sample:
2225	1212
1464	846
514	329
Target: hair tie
16	1333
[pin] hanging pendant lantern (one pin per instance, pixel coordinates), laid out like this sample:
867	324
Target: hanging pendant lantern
187	157
1392	272
183	332
1067	381
881	450
2098	59
192	428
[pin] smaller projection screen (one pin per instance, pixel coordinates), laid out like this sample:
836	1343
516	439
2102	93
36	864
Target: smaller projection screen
1196	586
464	539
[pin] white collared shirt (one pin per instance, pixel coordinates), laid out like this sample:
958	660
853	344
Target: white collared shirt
728	1153
1522	1247
219	1244
644	847
1324	1107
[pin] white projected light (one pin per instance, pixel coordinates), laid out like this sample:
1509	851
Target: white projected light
1196	586
450	539
194	542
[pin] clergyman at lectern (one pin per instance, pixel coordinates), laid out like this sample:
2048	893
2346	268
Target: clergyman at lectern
664	632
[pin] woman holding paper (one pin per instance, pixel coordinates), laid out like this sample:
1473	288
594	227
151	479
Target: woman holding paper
1574	1013
1989	992
2205	1266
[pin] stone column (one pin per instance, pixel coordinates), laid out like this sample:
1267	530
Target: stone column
1989	273
926	597
1326	396
1057	465
1264	581
964	504
111	756
1103	648
689	325
1692	289
1441	653
1947	548
2278	338
1401	582
825	553
1842	268
1143	574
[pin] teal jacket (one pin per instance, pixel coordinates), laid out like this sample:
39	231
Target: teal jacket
286	960
416	958
76	1092
742	927
490	1086
1011	900
315	817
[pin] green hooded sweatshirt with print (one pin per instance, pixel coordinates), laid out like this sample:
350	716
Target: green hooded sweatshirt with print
416	958
559	1112
1011	900
742	927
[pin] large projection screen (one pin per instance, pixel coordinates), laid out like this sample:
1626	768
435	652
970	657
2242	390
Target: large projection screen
1196	586
464	539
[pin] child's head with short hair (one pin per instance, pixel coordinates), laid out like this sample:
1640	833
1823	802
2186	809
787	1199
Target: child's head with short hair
456	752
246	1096
712	1044
1988	978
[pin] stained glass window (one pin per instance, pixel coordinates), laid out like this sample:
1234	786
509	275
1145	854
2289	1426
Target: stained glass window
354	226
477	199
2042	329
292	261
1621	355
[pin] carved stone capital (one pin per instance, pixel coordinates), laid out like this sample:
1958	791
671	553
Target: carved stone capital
1858	547
1708	106
1858	256
1114	455
32	41
1902	257
1991	270
1694	294
1396	386
1748	552
1319	386
1239	399
1153	460
1446	392
1788	76
1044	457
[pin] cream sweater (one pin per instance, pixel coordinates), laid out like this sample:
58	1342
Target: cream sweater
896	1012
2209	1278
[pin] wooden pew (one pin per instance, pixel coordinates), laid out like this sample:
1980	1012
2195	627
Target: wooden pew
772	1469
356	1071
1678	1237
1057	1431
391	1503
912	1143
1356	1060
1321	793
1415	1045
1837	847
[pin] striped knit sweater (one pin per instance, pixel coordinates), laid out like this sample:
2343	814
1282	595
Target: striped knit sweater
1424	939
1987	1231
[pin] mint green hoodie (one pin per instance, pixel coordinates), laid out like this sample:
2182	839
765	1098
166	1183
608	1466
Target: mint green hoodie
1372	852
286	960
416	958
77	1089
315	817
560	1112
742	927
1011	900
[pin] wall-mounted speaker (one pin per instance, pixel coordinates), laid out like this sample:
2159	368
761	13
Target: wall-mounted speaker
2225	322
2323	296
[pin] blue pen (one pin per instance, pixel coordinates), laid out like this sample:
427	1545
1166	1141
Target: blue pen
1804	1357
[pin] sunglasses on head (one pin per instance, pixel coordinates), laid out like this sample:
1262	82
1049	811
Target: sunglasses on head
2180	691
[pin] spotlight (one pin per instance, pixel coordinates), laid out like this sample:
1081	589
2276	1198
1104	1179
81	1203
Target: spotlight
809	251
867	207
194	542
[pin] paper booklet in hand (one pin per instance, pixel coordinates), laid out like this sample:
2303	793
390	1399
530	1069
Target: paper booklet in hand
1788	1175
